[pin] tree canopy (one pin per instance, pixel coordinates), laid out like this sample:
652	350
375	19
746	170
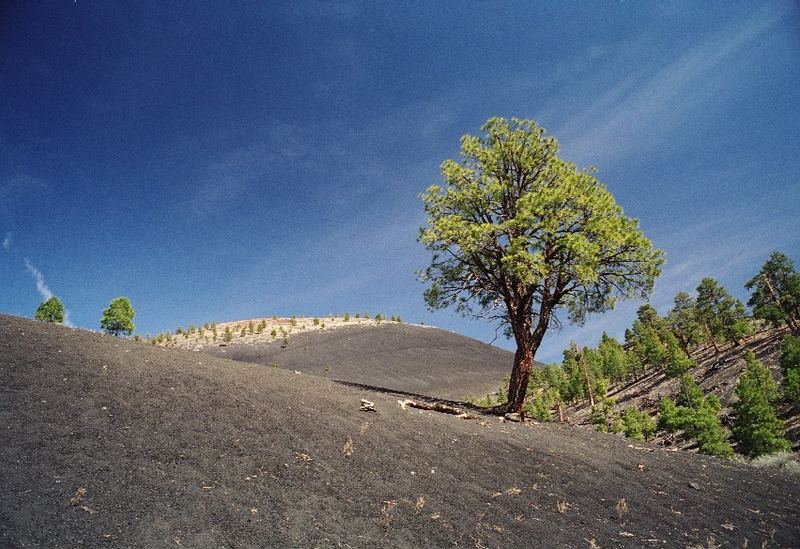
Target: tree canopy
518	234
118	317
776	292
722	315
757	429
51	310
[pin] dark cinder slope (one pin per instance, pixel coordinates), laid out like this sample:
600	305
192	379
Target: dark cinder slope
109	443
416	359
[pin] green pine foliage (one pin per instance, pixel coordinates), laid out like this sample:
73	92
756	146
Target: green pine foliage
539	406
697	416
227	335
676	362
347	317
682	320
544	392
775	293
655	345
790	365
758	430
50	310
722	315
637	424
605	418
118	317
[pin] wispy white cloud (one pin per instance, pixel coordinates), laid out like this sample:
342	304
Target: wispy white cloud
641	109
42	288
7	241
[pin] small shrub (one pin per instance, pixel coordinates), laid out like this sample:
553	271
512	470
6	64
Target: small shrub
638	425
251	327
274	332
790	365
782	461
791	386
605	418
697	416
347	317
228	335
316	322
757	429
293	320
540	406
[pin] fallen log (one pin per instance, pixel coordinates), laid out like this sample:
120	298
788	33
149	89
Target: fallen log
436	407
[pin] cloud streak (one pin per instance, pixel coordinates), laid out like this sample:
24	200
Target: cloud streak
7	242
42	288
640	109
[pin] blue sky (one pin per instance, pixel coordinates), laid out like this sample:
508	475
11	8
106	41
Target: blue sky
236	160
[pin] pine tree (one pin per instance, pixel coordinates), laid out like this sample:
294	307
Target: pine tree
722	315
676	361
638	425
757	429
118	317
655	345
613	358
697	415
682	320
775	293
51	310
605	418
790	365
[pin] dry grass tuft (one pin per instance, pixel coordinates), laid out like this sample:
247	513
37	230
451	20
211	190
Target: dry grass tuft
386	511
347	449
78	497
622	507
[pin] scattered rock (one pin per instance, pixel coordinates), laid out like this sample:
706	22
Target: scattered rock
367	406
694	485
513	416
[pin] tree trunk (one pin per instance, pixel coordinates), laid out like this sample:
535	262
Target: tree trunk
791	321
520	373
560	411
588	380
527	344
711	337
